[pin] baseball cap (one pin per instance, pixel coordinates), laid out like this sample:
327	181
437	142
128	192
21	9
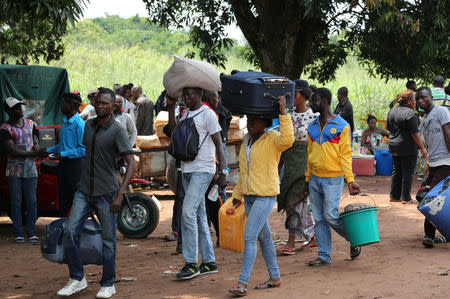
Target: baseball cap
301	84
11	102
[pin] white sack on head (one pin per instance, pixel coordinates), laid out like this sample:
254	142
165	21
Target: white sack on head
186	72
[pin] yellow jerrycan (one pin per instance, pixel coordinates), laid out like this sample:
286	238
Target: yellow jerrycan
232	219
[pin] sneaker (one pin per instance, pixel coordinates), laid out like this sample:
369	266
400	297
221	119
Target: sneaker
72	287
428	242
190	270
206	268
106	292
33	240
19	239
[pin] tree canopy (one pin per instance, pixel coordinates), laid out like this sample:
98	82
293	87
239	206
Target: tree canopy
394	39
33	29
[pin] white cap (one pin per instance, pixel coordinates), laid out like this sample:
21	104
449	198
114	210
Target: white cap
11	102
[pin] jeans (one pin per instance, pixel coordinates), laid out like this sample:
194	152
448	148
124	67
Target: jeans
23	189
69	173
177	207
402	176
258	209
194	224
81	208
325	195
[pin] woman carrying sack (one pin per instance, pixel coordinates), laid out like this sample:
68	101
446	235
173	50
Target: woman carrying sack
258	186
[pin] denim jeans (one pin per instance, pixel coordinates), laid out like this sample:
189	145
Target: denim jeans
23	190
258	209
324	196
81	207
194	223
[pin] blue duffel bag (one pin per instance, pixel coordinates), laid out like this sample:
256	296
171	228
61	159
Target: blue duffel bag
436	207
91	242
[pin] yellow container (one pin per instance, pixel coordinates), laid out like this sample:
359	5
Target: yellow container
232	219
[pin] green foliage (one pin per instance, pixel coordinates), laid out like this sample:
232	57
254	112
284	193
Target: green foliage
32	29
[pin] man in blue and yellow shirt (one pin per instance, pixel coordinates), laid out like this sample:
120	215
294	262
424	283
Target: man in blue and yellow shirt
329	162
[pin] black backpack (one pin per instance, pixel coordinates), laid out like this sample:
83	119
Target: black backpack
185	140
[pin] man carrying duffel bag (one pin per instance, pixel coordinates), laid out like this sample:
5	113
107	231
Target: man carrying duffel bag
106	140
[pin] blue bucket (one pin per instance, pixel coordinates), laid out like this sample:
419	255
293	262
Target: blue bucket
384	163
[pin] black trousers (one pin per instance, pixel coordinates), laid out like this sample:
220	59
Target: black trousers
402	177
435	176
69	172
212	211
178	206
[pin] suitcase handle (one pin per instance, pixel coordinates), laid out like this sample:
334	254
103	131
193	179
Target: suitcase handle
268	95
274	82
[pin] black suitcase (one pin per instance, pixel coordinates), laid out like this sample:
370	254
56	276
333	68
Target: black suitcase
256	93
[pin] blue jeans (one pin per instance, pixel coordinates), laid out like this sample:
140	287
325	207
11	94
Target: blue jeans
324	196
258	209
194	223
23	190
81	208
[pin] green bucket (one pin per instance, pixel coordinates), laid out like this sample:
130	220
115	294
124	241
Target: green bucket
361	226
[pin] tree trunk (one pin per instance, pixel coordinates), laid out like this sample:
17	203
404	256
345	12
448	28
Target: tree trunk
278	33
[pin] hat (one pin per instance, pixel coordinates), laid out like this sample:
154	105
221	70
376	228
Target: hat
301	84
11	102
92	93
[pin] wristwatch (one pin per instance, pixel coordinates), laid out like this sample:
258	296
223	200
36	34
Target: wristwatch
223	171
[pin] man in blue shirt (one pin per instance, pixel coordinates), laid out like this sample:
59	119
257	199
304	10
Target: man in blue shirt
70	152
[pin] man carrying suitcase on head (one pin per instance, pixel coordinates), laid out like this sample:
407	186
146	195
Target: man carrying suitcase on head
106	140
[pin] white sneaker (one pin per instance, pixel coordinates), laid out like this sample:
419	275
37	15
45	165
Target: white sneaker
106	292
72	287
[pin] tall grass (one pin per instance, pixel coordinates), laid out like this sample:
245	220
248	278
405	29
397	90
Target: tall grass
90	68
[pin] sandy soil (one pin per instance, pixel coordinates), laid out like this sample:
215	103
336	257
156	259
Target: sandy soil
397	267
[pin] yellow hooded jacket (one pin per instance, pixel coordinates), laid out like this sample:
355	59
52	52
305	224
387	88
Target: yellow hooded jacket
260	176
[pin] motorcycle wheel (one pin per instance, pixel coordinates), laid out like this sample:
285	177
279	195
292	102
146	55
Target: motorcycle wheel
145	221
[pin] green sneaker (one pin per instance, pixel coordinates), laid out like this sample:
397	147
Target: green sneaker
206	268
190	270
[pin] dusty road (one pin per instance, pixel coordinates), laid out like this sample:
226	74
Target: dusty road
397	267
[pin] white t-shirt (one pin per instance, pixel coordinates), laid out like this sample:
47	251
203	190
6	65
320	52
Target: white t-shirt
301	121
207	124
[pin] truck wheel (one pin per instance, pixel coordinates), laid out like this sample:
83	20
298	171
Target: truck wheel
145	220
171	175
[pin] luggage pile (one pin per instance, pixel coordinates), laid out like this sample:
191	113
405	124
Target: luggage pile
256	93
237	128
157	140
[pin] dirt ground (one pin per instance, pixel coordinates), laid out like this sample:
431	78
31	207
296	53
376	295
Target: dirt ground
397	267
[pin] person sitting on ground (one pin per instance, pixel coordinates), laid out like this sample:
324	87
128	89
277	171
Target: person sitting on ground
299	219
435	128
125	120
144	111
404	142
19	137
197	175
329	162
258	189
89	111
366	135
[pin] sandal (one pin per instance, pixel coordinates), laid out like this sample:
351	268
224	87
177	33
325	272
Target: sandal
285	250
310	245
173	236
268	284
440	239
428	242
355	252
238	291
317	262
394	200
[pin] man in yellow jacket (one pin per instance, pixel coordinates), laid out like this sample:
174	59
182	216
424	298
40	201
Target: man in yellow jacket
329	162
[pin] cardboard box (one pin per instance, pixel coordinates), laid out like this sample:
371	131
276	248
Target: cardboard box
235	134
238	122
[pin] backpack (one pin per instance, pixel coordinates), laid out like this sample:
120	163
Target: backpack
91	242
185	140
